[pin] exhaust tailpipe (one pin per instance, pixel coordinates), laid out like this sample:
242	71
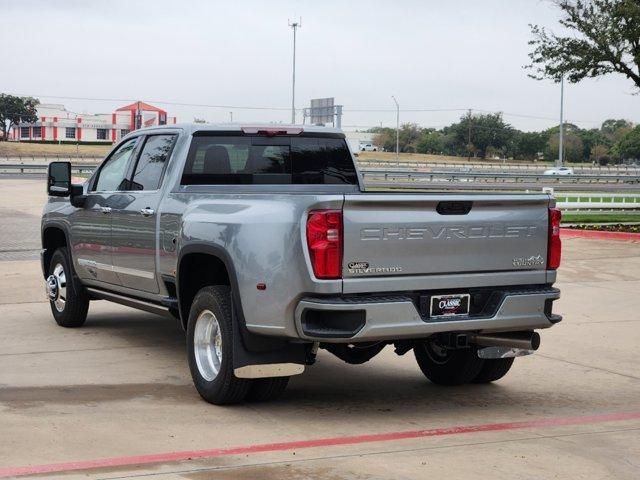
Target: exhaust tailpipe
521	340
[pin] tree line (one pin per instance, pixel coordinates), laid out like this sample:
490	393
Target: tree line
489	136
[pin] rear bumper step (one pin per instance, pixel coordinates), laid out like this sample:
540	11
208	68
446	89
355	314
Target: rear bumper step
355	319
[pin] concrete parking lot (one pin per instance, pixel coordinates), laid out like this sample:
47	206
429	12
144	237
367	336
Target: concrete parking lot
114	399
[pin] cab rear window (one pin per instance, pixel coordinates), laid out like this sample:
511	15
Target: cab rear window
243	160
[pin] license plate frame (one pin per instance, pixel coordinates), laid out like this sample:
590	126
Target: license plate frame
457	305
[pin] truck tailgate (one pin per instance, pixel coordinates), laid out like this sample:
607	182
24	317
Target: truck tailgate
425	234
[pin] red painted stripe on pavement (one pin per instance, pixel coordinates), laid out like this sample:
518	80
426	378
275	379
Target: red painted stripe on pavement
300	444
598	235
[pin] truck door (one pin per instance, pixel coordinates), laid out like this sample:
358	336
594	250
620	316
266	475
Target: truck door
134	216
91	225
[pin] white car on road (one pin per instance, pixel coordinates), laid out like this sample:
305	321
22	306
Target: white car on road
368	147
559	171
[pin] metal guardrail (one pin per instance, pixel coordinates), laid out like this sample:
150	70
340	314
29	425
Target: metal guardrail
25	168
70	157
503	168
415	179
404	178
506	167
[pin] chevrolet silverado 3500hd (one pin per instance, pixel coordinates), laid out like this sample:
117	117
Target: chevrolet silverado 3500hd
262	242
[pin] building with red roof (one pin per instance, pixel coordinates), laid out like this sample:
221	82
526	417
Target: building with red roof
58	125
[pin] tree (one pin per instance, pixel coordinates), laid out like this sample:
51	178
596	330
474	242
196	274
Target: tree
431	141
573	147
529	145
591	138
386	137
600	154
484	131
409	135
629	146
15	110
614	130
603	38
612	125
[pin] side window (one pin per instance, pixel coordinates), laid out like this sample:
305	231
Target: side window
151	163
112	175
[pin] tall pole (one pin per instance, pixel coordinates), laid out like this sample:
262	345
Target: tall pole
231	117
560	143
469	137
397	127
294	26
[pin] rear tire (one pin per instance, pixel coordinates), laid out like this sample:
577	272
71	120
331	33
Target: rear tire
68	299
445	366
266	389
493	369
210	347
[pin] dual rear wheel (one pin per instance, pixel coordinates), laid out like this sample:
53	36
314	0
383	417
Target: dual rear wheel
447	366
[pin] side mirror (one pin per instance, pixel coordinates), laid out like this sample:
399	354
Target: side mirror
59	184
59	179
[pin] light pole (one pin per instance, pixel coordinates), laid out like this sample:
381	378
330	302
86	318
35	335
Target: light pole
397	127
561	141
294	26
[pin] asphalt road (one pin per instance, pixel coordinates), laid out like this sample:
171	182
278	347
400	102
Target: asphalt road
115	398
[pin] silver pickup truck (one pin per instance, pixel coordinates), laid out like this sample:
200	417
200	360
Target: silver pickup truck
263	243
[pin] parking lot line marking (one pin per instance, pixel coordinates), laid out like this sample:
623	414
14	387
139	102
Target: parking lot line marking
598	235
167	457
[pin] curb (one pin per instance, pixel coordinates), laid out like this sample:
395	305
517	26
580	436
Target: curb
597	235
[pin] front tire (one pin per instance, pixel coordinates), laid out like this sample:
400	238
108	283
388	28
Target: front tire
210	347
68	299
447	366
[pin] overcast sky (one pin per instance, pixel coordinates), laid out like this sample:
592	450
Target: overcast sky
430	54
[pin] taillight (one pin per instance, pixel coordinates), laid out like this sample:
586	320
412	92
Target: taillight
324	239
554	249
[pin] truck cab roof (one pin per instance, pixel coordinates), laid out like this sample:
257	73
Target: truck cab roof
247	128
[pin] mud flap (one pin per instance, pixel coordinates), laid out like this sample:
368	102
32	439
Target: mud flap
260	356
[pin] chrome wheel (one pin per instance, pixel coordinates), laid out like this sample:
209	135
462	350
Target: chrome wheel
207	345
57	287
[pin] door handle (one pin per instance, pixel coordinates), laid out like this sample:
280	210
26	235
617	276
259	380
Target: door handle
105	210
147	212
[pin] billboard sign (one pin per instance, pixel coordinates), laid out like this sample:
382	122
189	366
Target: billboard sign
322	110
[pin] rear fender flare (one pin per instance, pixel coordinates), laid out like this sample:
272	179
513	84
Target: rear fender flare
249	348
